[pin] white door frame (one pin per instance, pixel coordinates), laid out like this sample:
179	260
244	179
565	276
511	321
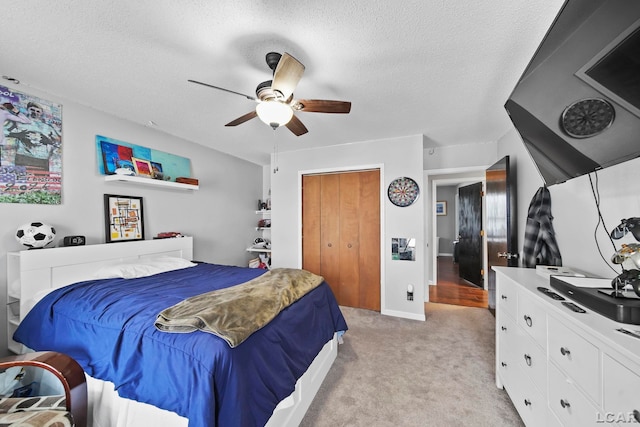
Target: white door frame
440	177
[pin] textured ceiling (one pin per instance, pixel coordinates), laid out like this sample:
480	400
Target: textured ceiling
439	68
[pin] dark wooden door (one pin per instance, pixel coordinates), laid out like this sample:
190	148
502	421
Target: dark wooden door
501	229
341	234
470	259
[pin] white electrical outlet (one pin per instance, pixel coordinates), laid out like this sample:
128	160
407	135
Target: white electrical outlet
410	292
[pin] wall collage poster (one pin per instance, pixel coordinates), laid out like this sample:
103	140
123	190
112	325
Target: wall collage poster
30	149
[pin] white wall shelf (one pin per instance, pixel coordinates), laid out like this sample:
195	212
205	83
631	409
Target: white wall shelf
262	230
151	182
263	250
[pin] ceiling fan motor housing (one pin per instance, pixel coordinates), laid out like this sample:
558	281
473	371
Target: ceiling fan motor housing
264	91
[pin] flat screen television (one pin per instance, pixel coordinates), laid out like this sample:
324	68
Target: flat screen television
577	104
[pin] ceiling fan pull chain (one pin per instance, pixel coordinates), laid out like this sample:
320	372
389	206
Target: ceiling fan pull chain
275	153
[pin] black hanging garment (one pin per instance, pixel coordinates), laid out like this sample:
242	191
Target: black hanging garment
540	246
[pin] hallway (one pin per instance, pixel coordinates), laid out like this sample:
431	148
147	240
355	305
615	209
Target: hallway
451	289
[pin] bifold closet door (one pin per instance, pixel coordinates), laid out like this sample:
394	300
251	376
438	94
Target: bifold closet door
329	213
369	250
341	234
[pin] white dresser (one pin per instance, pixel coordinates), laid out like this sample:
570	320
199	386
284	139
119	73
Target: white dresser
562	368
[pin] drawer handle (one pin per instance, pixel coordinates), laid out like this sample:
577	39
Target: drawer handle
565	403
504	365
527	402
504	328
636	415
565	351
528	320
504	297
527	359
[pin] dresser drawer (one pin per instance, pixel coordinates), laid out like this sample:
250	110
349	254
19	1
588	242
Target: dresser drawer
507	337
567	402
527	399
533	361
532	318
620	392
577	357
506	294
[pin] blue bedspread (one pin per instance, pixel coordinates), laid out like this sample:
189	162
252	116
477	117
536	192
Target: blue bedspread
108	327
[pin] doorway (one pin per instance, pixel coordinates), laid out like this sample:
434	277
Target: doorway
443	271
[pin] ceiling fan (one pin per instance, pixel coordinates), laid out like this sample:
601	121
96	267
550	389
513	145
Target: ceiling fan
275	102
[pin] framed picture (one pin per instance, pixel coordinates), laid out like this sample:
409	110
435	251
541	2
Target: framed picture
441	208
142	167
156	170
403	248
123	218
115	156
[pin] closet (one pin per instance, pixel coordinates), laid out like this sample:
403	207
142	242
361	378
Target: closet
341	234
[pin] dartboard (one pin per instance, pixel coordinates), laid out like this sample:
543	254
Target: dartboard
403	191
587	117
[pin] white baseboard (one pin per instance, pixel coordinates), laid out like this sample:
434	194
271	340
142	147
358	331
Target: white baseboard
445	254
404	314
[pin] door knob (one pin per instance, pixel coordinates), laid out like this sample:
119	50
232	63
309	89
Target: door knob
507	255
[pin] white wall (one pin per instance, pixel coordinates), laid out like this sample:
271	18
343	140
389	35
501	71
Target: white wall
574	210
220	216
395	157
457	158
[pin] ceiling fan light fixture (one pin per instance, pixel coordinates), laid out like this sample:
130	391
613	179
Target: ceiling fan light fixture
274	113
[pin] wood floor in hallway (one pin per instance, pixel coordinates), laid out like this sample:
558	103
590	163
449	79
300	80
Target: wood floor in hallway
451	289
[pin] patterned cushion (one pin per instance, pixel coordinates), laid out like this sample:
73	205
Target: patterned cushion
47	418
41	411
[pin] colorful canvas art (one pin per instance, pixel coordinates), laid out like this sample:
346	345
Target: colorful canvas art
143	161
30	149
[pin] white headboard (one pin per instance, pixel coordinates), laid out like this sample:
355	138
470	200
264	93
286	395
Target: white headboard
34	272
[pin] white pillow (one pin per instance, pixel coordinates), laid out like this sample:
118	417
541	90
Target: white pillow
143	267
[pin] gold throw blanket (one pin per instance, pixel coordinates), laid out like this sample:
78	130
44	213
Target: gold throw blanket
236	312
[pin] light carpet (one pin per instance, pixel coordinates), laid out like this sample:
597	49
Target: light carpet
400	372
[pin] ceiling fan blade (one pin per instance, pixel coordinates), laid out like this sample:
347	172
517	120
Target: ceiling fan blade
221	88
243	119
296	126
287	75
324	106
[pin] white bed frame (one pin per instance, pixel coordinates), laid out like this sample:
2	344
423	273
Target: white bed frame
40	271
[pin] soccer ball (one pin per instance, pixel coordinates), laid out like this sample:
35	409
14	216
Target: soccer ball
35	234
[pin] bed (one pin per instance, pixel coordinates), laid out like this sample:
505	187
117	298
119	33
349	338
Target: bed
107	325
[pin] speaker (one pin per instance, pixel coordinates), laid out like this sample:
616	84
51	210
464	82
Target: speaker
73	241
